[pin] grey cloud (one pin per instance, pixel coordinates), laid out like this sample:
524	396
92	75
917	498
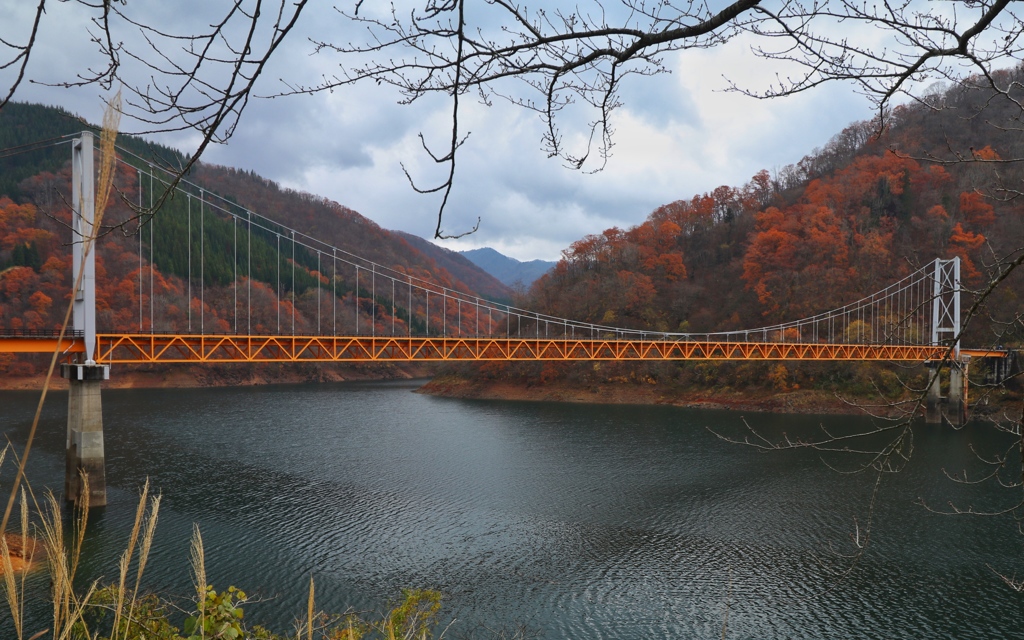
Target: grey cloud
280	138
347	145
660	100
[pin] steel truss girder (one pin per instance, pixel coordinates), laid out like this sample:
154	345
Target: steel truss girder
155	348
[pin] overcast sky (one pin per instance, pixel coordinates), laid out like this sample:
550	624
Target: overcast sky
678	135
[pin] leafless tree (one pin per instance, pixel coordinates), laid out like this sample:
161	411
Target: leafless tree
553	60
576	57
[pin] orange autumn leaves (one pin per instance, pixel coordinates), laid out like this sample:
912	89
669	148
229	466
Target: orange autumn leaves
854	230
27	288
965	242
618	276
736	257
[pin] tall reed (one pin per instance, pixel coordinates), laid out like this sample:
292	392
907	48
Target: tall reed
63	562
147	526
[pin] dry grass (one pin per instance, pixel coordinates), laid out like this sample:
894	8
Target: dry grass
68	607
125	612
108	157
198	558
15	596
147	525
63	562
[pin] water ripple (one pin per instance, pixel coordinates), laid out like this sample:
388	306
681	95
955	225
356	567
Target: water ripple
567	521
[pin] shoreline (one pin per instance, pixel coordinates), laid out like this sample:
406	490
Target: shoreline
451	386
24	554
805	401
448	385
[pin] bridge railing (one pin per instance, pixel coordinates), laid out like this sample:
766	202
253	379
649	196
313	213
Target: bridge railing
40	333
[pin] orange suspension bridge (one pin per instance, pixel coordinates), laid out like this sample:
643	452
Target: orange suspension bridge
915	319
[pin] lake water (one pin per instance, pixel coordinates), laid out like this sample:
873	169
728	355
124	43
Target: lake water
559	520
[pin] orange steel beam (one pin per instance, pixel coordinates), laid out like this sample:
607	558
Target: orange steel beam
984	353
23	344
154	348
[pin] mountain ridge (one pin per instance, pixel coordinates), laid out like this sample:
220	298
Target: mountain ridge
508	270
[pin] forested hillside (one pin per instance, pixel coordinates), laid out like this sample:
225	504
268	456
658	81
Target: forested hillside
185	267
840	224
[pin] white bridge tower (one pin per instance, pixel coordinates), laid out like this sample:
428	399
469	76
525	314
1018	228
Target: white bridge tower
85	454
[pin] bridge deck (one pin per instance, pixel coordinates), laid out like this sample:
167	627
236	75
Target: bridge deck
168	348
42	344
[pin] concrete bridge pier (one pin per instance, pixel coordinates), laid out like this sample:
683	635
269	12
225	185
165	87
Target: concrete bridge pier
1001	368
957	399
932	411
85	432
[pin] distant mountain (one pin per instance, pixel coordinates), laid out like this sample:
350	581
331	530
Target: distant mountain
475	276
508	270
